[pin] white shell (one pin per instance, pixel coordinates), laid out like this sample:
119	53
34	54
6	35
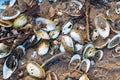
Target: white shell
54	34
84	77
67	43
75	35
104	33
62	49
42	34
78	47
49	24
67	27
87	61
43	48
7	72
100	53
75	57
95	35
34	70
117	9
113	40
10	17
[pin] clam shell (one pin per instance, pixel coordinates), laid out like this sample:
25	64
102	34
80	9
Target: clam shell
5	23
43	48
67	27
42	34
114	41
76	36
9	66
50	25
78	47
10	17
88	51
98	55
117	9
54	34
84	77
102	26
20	21
35	70
67	43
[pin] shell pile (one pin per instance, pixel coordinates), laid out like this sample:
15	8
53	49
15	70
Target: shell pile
54	31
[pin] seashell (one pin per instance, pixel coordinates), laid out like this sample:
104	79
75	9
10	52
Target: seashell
74	7
20	21
95	35
98	55
35	70
115	26
43	48
114	41
55	33
117	9
4	50
84	77
5	23
62	49
9	66
102	26
67	43
116	52
101	43
76	36
78	47
67	27
50	25
74	58
87	63
6	15
88	51
42	34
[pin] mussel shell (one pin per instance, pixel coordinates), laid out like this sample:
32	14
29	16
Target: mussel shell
76	36
67	43
88	51
50	25
55	33
78	47
67	27
20	21
117	9
98	55
102	26
9	66
114	41
43	48
7	17
35	70
42	34
5	23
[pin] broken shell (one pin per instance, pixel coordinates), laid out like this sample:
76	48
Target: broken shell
117	9
5	23
95	35
88	51
55	33
20	21
76	36
114	41
35	70
4	50
115	26
50	25
67	43
74	58
67	27
98	55
87	65
84	77
78	47
9	17
41	34
102	26
43	48
9	66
